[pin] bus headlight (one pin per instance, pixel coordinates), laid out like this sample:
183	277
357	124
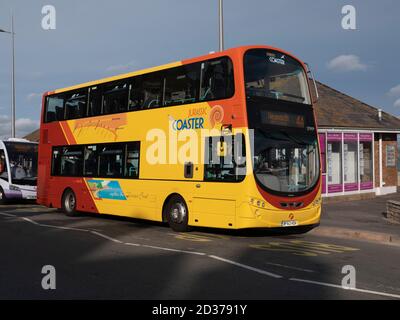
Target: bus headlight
317	202
257	203
14	188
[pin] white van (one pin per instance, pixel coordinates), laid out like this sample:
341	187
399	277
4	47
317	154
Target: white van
18	169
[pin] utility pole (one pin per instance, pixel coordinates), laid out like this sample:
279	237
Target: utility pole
13	79
221	25
12	75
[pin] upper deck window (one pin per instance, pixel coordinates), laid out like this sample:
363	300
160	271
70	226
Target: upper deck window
196	82
275	75
217	80
152	89
181	85
115	97
75	104
55	108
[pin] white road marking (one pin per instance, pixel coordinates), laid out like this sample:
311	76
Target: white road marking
7	214
260	271
106	237
31	221
246	267
133	244
290	267
176	250
62	227
344	288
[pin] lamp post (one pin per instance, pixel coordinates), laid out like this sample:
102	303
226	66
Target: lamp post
221	26
12	77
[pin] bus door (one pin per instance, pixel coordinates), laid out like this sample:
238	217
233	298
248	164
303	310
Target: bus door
3	166
224	168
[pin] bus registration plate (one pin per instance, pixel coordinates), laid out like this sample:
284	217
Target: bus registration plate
289	223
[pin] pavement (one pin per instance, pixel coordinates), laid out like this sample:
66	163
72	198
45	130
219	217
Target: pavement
106	257
362	219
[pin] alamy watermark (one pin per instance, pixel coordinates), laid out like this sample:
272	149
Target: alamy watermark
49	18
49	280
349	280
349	20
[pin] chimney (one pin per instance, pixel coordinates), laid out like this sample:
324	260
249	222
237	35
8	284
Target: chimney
380	114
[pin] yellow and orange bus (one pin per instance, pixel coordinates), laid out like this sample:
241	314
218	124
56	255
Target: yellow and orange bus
226	140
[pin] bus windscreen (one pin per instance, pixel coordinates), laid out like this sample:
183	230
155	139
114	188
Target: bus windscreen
23	159
276	76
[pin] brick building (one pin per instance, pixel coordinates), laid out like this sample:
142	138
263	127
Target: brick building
358	146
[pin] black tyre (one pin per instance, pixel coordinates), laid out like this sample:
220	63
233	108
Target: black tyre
68	203
3	198
177	214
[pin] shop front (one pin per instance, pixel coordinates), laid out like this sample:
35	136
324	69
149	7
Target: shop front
347	162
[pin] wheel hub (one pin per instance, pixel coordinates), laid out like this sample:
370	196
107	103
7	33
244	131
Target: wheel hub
70	202
178	213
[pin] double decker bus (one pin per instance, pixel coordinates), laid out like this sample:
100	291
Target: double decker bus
18	169
225	140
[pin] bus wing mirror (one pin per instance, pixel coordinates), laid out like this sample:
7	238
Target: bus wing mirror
312	78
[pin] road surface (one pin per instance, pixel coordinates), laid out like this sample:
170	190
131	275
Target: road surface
103	257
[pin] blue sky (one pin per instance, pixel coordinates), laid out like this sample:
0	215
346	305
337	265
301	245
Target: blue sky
100	38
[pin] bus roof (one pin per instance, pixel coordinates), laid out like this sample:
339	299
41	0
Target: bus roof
232	51
20	140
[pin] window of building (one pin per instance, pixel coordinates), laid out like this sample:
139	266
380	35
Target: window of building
111	160
132	160
366	158
152	88
217	80
334	157
350	161
95	101
115	97
71	161
390	156
91	164
181	85
54	108
225	158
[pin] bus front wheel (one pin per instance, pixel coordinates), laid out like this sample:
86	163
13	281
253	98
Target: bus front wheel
68	203
177	214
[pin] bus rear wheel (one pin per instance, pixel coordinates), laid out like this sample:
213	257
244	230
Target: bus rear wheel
68	203
177	214
3	199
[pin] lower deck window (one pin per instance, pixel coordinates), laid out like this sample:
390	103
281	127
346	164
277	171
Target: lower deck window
70	161
119	160
110	160
225	158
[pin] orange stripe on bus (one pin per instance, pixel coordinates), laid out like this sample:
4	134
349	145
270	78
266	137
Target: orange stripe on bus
68	133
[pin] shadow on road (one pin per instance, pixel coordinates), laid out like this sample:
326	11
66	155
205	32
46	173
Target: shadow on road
92	267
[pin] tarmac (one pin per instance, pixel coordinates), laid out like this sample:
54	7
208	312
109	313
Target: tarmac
361	220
